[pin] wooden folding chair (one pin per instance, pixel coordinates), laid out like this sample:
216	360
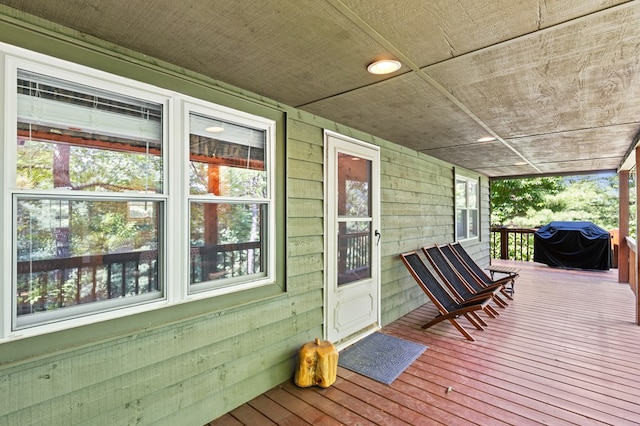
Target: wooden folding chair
448	308
509	281
469	278
460	289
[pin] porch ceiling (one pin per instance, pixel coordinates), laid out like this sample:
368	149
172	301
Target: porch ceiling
556	82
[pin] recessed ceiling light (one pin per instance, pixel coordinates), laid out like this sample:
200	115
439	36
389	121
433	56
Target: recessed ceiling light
487	139
520	163
384	66
215	129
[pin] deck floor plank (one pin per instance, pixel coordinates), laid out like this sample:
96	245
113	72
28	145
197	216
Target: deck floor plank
275	412
564	352
301	408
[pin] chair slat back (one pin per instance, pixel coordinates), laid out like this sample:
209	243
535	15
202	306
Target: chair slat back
446	271
427	281
477	270
461	268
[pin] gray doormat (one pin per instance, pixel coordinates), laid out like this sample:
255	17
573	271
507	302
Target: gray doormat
380	357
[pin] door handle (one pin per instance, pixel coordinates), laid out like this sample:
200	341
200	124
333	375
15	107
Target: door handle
377	234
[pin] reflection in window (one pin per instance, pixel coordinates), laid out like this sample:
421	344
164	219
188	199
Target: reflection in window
89	214
354	226
73	253
354	251
226	241
466	208
226	159
72	136
227	162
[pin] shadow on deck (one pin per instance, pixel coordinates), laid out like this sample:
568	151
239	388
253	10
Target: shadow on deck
565	351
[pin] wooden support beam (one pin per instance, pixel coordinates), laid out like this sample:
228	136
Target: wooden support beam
635	270
623	226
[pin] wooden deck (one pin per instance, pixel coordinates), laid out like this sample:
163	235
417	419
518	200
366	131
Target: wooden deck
565	352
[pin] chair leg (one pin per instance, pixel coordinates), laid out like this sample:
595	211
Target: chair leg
505	292
471	316
475	320
462	330
491	312
501	303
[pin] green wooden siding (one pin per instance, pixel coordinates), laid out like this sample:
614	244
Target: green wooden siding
190	363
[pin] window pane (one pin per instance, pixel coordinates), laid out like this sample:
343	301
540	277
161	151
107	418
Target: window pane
461	194
73	252
226	240
461	224
472	202
72	136
354	180
473	223
226	159
354	251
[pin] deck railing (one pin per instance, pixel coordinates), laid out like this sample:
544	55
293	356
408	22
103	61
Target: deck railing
512	243
354	251
57	282
354	256
45	283
225	261
633	279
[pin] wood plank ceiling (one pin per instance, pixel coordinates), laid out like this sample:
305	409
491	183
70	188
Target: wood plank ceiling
556	82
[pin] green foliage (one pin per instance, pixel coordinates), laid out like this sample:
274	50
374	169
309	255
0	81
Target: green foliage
539	201
513	198
88	169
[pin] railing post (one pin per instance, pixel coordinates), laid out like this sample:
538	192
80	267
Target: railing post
504	243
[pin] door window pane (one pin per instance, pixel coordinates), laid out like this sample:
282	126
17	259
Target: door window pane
354	251
354	177
354	201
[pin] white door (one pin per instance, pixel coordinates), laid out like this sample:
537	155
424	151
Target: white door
352	198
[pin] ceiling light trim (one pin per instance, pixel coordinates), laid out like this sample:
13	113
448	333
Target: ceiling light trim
384	66
487	139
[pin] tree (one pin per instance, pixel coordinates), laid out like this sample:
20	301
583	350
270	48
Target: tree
585	198
591	198
511	198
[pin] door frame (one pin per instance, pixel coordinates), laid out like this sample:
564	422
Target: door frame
335	142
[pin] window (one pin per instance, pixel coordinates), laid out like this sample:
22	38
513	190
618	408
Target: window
84	157
466	208
230	203
87	180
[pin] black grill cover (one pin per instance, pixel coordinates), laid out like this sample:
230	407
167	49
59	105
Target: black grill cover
580	245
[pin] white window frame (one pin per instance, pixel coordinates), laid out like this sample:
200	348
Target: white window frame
193	105
175	195
469	210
